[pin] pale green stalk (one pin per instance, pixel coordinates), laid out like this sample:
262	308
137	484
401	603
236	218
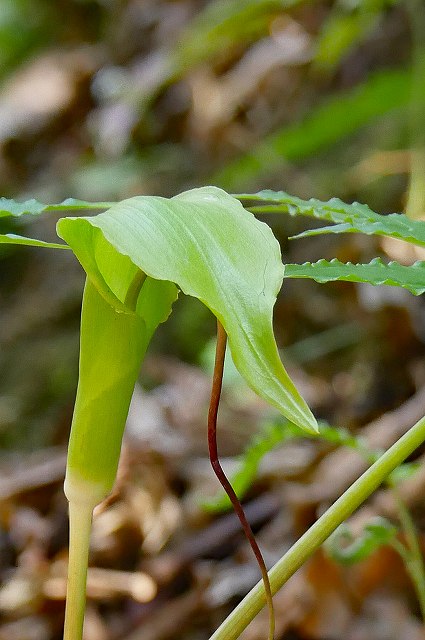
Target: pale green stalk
415	206
246	611
80	519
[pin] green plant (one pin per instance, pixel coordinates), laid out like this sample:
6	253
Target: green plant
342	545
137	254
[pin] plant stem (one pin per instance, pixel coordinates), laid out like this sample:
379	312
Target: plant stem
80	519
415	206
240	617
218	470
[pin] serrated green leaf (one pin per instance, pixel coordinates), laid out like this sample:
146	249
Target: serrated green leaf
345	549
13	208
204	241
11	238
34	207
345	227
376	272
349	218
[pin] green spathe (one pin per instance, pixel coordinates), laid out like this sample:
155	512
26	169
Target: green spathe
213	249
112	347
111	350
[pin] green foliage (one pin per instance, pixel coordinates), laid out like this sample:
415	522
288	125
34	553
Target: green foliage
13	238
220	26
347	24
14	209
415	204
111	349
278	431
323	343
404	472
343	438
214	250
375	272
326	125
203	241
224	23
349	218
134	269
272	435
34	207
23	26
345	548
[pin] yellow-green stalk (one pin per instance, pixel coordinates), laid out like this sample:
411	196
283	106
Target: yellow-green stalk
112	346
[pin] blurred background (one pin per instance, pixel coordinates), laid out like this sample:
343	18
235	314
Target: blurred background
106	99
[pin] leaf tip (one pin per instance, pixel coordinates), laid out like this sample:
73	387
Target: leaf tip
310	423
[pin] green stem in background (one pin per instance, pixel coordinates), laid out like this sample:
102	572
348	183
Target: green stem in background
246	611
415	206
218	470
